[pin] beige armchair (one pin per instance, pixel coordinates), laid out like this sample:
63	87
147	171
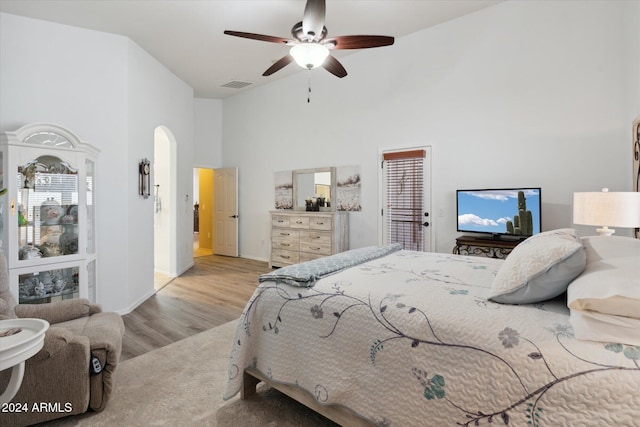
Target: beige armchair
59	375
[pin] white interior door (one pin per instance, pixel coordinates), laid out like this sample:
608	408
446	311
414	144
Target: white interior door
406	198
225	211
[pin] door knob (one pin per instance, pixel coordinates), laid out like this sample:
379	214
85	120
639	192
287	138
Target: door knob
233	216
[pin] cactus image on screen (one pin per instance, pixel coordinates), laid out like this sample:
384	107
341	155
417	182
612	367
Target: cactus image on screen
522	224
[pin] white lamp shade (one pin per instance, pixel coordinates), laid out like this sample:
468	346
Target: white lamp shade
608	209
309	55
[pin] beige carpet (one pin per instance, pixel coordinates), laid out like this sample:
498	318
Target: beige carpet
182	385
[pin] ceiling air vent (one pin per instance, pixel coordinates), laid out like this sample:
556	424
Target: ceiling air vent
236	84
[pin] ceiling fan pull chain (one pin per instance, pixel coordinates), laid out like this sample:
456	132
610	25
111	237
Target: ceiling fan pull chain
309	92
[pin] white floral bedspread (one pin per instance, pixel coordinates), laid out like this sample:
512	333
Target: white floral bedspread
410	340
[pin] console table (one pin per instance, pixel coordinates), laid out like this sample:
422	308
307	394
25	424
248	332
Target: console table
15	349
490	248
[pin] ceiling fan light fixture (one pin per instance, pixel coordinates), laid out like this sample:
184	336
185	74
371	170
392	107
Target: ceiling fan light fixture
309	55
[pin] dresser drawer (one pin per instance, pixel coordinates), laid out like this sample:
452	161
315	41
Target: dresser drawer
285	233
299	222
285	243
321	223
315	248
280	221
315	237
283	257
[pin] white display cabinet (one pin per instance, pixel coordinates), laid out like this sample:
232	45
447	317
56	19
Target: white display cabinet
49	214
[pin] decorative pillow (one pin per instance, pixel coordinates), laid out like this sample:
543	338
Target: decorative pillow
610	283
593	326
539	268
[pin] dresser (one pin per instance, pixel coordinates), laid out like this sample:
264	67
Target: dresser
298	236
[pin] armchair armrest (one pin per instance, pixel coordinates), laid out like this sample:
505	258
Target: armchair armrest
105	332
58	311
56	341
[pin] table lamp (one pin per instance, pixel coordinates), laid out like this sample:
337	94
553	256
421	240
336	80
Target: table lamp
607	209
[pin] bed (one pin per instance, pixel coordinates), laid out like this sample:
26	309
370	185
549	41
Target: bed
389	337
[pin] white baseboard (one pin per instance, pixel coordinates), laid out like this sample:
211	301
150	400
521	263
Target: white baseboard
184	269
133	306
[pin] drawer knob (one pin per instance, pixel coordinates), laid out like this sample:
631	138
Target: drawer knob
320	223
280	221
285	234
316	249
298	222
285	244
285	256
315	237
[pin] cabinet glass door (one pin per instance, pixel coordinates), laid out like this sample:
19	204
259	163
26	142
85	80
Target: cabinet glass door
47	204
43	286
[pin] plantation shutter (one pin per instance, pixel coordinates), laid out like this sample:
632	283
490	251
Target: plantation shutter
405	198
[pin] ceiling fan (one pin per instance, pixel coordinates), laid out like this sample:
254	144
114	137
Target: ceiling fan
310	46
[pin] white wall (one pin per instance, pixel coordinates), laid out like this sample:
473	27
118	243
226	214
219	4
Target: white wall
207	133
156	97
112	94
520	94
631	19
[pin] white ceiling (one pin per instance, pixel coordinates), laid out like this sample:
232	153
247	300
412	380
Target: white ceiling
187	36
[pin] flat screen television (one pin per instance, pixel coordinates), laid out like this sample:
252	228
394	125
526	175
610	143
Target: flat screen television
512	213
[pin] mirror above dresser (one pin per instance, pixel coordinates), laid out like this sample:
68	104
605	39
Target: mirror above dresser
312	184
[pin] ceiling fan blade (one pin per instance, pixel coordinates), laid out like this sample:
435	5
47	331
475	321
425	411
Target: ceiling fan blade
358	42
261	37
278	65
332	65
313	19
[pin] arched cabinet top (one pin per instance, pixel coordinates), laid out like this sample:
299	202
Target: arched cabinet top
47	135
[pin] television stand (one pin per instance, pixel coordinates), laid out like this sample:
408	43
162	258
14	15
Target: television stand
483	246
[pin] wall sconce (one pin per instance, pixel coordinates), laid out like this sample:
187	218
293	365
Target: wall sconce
615	209
144	178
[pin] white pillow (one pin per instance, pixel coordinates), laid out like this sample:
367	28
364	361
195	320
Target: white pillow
605	247
539	268
610	283
593	326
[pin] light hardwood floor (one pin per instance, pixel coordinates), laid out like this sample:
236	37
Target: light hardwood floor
209	294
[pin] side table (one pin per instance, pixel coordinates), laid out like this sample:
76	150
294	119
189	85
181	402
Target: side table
17	348
490	248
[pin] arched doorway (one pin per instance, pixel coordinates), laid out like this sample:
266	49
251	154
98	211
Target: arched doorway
165	213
